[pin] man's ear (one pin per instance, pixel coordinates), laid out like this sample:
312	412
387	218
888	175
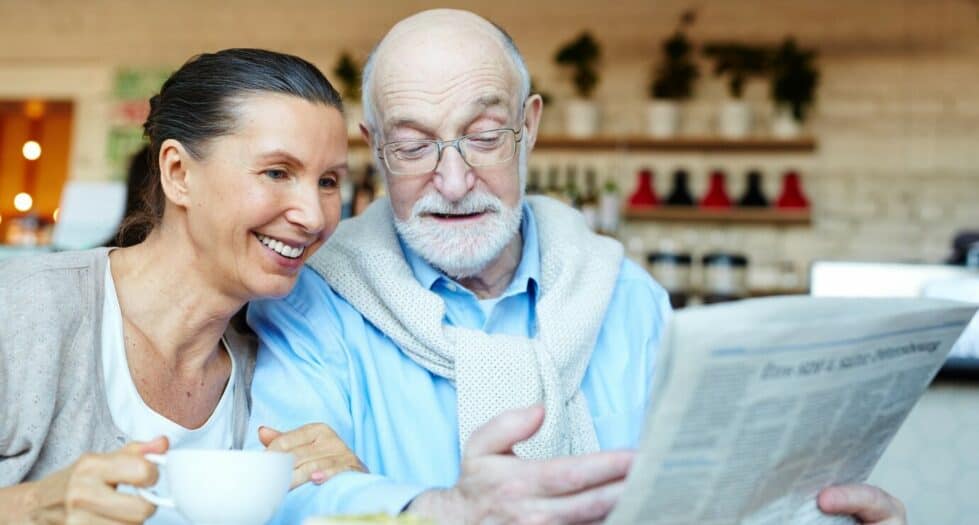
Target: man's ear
175	172
366	133
533	108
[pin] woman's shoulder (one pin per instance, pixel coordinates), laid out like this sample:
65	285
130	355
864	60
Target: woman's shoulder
52	271
49	294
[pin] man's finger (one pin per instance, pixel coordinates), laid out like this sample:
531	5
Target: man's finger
866	503
573	474
587	506
500	434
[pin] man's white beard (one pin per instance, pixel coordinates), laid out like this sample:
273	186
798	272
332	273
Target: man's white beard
466	249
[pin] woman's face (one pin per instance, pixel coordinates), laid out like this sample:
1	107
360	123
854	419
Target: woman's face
266	196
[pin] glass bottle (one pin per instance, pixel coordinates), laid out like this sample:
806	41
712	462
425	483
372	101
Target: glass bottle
680	194
609	207
572	196
645	195
554	189
533	182
792	195
754	196
589	199
716	196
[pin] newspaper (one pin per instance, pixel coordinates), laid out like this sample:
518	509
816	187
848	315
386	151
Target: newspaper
758	405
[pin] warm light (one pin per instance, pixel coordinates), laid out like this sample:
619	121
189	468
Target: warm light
31	150
23	202
34	108
57	211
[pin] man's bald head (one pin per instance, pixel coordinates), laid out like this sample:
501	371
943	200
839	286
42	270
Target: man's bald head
440	36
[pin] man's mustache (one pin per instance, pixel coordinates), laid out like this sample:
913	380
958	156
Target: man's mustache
471	203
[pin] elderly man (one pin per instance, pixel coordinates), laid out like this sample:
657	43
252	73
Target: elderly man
486	356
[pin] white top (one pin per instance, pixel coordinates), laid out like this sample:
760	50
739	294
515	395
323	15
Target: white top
140	422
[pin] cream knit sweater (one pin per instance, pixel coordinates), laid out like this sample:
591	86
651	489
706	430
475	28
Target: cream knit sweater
364	263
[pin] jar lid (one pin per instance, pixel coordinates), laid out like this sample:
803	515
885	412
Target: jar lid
724	259
669	257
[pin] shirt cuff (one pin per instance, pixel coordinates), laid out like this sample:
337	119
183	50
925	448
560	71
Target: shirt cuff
348	494
384	495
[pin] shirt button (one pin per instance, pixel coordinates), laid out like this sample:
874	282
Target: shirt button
452	287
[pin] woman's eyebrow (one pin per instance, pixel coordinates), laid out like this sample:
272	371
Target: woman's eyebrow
281	155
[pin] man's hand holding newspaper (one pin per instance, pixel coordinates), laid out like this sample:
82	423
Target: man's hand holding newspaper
760	405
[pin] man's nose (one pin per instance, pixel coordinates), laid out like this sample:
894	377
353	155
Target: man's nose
453	177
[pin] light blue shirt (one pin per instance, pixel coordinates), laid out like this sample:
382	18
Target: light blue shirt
321	361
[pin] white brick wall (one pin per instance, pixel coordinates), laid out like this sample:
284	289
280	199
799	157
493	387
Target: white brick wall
895	175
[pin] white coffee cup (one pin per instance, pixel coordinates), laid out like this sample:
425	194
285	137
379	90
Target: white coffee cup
223	487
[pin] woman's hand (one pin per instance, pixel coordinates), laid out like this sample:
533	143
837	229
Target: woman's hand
85	492
320	453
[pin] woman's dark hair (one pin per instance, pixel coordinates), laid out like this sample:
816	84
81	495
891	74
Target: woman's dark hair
137	180
196	104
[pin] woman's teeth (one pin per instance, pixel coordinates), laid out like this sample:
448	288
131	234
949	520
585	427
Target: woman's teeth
281	248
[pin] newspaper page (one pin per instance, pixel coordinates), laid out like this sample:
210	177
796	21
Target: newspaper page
758	405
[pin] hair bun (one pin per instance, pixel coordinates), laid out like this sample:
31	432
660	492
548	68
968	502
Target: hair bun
150	117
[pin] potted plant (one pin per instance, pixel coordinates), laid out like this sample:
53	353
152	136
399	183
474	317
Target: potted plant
793	87
580	58
673	81
347	72
739	62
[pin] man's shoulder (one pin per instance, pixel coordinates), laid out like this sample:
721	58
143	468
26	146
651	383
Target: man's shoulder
311	297
634	278
639	305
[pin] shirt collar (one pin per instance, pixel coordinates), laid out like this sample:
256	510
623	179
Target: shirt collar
525	279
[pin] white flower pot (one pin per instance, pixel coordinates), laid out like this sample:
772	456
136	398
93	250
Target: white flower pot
784	124
354	115
581	118
663	118
734	120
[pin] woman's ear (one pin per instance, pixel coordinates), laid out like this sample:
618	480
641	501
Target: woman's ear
174	172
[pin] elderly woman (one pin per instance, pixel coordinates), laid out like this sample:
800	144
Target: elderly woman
109	354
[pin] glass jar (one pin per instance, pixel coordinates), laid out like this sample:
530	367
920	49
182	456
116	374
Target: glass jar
725	277
672	272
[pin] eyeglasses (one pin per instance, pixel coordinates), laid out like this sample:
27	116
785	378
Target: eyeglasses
416	157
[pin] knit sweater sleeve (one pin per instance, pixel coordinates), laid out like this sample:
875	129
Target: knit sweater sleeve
37	335
13	445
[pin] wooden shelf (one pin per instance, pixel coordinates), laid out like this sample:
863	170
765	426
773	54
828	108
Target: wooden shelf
770	216
681	144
